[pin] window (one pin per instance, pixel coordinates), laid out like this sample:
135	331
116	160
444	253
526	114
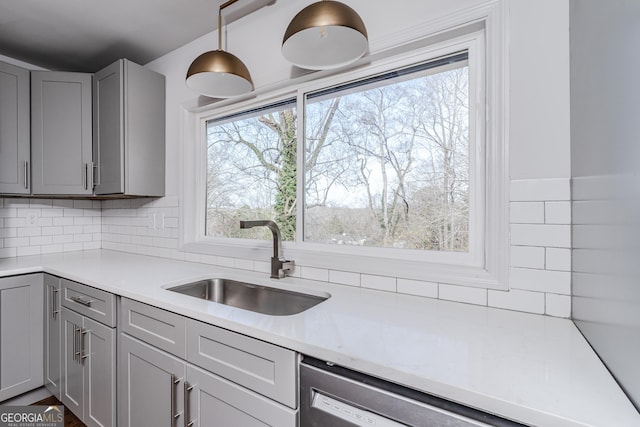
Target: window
387	160
251	171
382	170
386	163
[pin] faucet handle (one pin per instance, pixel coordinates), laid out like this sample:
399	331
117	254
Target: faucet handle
286	268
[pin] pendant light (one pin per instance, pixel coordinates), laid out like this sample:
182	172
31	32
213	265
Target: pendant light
217	73
325	35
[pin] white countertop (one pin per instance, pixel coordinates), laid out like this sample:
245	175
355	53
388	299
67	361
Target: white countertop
534	369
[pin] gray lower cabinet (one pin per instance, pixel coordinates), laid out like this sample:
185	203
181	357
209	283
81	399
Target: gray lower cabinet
61	133
211	400
15	139
21	334
150	385
156	388
88	384
52	333
129	130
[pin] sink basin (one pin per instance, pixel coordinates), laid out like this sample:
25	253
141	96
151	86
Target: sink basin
261	299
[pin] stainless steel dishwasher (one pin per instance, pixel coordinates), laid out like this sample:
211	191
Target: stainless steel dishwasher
333	396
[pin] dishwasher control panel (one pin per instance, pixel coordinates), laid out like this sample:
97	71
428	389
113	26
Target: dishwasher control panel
347	412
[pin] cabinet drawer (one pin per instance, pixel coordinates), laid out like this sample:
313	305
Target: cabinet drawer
153	325
265	368
91	302
214	401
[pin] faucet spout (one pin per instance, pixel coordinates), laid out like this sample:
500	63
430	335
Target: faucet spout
280	266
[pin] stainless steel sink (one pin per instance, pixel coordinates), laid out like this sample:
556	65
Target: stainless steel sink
261	299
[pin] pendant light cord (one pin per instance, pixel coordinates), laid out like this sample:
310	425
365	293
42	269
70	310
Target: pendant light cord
222	6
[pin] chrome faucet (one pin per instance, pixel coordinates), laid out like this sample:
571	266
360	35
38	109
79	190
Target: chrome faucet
280	267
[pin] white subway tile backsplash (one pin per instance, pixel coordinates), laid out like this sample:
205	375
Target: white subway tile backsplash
243	264
45	222
53	212
8	212
344	278
50	249
558	259
527	256
313	273
558	282
526	212
540	254
40	240
381	283
558	212
205	259
557	236
226	261
33	220
63	238
68	247
519	300
8	232
15	242
262	267
558	305
90	245
418	288
28	250
82	220
15	222
477	296
64	221
29	231
540	189
8	252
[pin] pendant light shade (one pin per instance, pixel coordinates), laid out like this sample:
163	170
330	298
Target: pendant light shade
325	35
217	73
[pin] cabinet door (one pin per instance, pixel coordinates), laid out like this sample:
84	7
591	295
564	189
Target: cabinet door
129	130
214	401
150	386
72	382
144	127
15	139
52	331
108	132
61	137
21	334
98	356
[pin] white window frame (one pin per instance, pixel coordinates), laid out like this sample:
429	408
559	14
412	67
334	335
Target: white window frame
486	263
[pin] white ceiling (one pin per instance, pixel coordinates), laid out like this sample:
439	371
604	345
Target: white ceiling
86	35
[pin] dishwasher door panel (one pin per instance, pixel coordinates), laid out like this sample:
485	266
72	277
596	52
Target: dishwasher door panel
338	397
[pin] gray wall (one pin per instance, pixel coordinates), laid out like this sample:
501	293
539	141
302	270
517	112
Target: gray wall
605	162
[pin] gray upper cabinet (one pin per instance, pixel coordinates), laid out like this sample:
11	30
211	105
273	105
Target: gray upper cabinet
14	130
129	130
61	139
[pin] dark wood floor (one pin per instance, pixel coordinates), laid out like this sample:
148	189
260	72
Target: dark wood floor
70	420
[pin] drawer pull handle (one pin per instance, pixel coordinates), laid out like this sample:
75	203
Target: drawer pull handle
83	353
187	390
76	343
174	415
53	295
82	301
